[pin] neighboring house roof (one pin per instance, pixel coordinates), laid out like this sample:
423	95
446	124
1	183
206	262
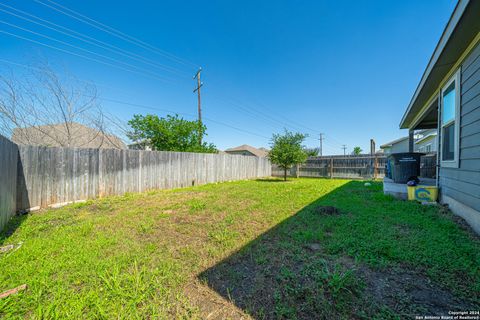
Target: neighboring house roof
259	152
419	136
391	143
426	138
461	29
57	135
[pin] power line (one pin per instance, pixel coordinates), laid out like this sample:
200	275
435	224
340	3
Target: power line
285	123
103	62
334	140
82	49
82	56
110	30
90	40
289	122
81	80
135	104
256	111
297	124
59	40
153	108
183	113
334	147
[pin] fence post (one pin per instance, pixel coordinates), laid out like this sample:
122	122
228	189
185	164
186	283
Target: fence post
375	163
297	170
331	168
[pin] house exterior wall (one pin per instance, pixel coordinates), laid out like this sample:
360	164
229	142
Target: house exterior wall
140	146
401	146
387	150
427	145
460	187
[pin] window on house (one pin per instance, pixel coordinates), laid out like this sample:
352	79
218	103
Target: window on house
450	120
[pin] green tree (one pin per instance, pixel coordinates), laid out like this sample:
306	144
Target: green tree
357	151
287	150
169	134
312	152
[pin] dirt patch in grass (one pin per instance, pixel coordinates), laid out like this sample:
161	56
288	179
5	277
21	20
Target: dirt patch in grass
275	280
328	210
211	305
241	250
409	293
324	264
314	286
444	211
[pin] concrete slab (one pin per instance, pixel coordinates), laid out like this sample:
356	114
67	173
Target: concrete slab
399	190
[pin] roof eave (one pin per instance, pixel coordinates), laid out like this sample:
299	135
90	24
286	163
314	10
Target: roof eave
447	33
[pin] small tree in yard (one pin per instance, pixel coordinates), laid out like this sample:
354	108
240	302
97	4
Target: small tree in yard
287	150
357	151
312	152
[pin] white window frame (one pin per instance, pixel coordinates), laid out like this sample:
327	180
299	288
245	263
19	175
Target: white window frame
455	162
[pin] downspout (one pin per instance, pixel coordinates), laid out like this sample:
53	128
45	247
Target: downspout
439	139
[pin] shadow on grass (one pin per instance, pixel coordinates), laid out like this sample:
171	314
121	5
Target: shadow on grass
22	200
14	223
296	271
284	273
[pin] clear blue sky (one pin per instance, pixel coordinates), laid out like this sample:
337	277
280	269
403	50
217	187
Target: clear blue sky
345	68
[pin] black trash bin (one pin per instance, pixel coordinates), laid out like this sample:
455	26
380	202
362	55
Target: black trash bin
404	166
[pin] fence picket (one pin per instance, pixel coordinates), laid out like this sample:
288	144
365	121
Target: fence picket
58	175
351	167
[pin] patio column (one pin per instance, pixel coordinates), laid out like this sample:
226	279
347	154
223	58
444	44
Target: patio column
410	140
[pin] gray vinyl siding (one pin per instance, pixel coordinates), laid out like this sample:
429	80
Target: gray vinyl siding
463	183
401	146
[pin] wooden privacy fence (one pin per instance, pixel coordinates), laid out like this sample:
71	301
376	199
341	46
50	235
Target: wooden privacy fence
33	177
351	167
428	166
8	180
60	175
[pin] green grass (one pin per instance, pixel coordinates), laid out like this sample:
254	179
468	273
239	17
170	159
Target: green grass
246	245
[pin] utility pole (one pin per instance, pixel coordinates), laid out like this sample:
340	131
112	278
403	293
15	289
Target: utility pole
321	144
372	147
344	147
197	90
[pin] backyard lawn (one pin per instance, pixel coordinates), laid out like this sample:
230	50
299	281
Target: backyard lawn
301	249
